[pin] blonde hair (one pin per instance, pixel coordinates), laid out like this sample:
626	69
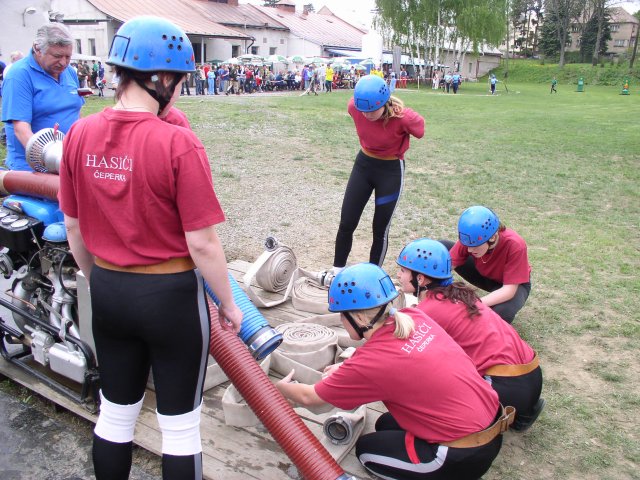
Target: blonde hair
404	323
393	108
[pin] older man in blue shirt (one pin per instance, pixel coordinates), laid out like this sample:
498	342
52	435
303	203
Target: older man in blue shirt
39	91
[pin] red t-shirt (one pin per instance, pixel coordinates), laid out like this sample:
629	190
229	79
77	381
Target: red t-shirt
507	263
427	382
390	140
136	184
486	338
176	116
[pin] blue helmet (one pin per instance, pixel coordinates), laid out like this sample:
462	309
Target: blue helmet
426	256
477	225
151	44
371	93
360	287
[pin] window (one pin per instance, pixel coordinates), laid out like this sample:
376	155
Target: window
575	28
614	27
254	50
78	45
282	41
235	50
620	43
92	46
272	50
470	67
264	39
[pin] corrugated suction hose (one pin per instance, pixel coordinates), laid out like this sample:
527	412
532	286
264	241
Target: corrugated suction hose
255	332
313	461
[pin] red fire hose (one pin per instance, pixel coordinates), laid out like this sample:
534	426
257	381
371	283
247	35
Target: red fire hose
42	185
307	453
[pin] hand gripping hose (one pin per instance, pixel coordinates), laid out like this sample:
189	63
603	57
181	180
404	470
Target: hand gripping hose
255	332
307	453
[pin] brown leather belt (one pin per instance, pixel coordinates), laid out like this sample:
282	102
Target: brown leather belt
513	370
378	157
479	439
173	265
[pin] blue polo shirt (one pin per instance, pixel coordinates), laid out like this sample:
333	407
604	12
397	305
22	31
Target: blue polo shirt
29	94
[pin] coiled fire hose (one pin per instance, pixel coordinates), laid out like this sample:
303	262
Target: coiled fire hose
276	271
307	453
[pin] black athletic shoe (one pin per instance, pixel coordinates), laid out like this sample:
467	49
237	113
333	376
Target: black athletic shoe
523	422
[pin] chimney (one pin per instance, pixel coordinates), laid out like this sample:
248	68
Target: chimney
286	6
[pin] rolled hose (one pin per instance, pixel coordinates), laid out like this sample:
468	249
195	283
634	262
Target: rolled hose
255	332
313	461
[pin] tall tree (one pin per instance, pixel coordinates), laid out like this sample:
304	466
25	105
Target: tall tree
635	45
548	44
565	11
599	18
594	38
428	23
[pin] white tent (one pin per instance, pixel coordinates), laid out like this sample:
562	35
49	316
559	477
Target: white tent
81	56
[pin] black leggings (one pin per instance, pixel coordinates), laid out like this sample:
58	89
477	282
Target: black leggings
384	453
142	321
386	179
521	392
507	310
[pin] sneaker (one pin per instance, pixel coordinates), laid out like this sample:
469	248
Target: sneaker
524	422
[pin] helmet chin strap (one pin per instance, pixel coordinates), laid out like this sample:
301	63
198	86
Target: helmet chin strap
360	330
414	281
162	101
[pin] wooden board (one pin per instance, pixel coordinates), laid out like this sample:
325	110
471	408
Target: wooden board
232	453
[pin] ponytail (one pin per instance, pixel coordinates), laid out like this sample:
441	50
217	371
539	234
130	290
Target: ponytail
404	324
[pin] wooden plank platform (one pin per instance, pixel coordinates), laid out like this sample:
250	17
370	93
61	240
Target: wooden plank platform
230	453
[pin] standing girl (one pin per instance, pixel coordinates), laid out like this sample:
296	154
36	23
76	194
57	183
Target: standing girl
499	354
494	258
140	211
384	126
443	421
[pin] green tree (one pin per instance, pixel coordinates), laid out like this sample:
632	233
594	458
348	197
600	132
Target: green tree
590	37
565	11
548	44
635	44
426	24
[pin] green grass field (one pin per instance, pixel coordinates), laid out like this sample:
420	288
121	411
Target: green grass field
563	170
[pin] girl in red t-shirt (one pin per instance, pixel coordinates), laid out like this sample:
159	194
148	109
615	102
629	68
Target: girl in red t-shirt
437	403
494	258
140	212
384	126
498	352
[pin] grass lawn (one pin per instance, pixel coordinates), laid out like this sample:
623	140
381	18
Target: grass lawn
562	170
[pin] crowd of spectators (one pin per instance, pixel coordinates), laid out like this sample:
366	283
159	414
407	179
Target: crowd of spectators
230	79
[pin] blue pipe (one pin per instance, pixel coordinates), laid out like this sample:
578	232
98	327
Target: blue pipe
255	332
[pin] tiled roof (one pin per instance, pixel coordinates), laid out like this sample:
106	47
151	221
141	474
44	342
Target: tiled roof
238	15
327	30
187	14
620	15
